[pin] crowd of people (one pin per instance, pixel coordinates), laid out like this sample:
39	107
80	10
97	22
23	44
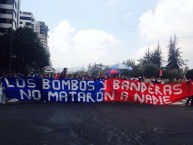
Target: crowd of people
85	76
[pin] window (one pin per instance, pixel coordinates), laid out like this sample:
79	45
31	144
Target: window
27	23
11	2
5	11
26	13
25	18
3	20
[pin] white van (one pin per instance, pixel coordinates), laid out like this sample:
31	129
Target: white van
49	70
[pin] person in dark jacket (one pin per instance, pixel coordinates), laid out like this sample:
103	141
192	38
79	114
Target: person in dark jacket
63	74
190	99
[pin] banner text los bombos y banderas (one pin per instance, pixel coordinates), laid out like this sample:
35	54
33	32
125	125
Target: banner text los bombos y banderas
112	90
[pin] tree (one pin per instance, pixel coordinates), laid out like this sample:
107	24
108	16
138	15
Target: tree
189	74
151	70
147	57
174	55
27	54
5	51
135	72
151	62
129	62
173	75
156	57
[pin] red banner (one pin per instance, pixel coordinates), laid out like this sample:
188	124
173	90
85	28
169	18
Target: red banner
117	90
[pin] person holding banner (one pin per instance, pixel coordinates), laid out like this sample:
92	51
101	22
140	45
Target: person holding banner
63	74
188	100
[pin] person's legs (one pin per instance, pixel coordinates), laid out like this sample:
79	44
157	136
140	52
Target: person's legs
191	101
188	100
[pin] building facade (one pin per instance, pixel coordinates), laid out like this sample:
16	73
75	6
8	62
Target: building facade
26	19
42	31
9	15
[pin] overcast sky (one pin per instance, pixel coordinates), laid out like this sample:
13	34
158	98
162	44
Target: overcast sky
111	31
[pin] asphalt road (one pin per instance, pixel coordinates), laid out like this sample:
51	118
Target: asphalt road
95	124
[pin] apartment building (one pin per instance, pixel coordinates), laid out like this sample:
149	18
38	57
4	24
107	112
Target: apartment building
9	15
26	19
42	30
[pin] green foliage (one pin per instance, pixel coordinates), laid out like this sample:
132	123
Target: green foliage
151	62
173	71
136	70
154	57
129	62
189	74
27	53
174	55
151	70
173	75
4	55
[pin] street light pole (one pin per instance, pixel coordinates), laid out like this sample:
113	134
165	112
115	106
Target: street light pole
186	62
10	53
11	43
